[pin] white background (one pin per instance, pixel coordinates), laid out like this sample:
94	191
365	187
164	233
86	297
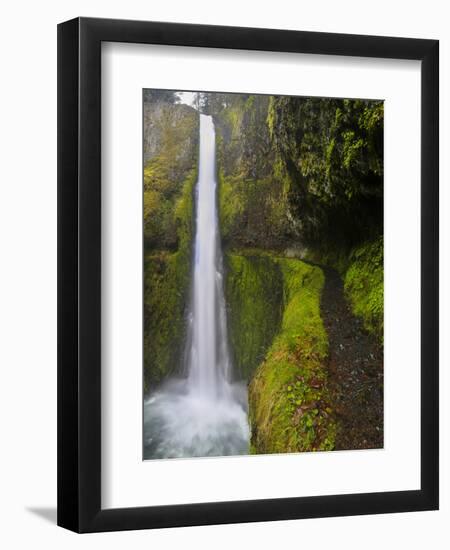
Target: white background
28	289
127	480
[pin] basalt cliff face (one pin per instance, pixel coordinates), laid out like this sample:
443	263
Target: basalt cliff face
170	168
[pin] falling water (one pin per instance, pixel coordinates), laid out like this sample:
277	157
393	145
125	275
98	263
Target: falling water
205	413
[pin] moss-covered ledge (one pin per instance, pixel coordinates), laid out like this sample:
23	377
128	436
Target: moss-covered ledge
279	341
361	269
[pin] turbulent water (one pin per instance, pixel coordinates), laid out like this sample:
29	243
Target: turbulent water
204	413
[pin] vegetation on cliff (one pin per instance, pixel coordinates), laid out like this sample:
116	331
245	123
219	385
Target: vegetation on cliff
170	171
332	153
364	285
299	178
296	170
166	294
254	297
170	154
253	195
304	176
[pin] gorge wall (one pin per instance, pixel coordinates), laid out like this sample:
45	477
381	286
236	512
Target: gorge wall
301	180
170	172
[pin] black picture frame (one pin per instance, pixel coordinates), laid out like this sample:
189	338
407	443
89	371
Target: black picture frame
79	274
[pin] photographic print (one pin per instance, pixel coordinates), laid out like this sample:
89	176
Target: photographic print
263	274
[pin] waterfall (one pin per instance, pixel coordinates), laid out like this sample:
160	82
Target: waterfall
208	357
204	414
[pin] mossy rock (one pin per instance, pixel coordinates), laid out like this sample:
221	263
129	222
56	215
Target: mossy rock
254	297
166	280
364	285
275	319
166	295
171	137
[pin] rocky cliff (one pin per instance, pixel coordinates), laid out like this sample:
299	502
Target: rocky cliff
300	179
170	157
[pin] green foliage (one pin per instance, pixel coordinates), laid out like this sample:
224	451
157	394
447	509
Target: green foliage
174	157
364	285
311	169
230	206
288	398
164	307
253	291
252	193
252	212
332	150
166	295
362	270
245	148
328	255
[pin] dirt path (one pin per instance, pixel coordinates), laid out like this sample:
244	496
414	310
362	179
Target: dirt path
356	371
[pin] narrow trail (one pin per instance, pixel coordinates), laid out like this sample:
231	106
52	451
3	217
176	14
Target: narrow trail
355	371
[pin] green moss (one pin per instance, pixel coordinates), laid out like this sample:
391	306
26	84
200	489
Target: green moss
165	173
362	270
231	206
288	397
164	315
336	257
364	285
254	299
171	148
333	152
166	295
252	212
